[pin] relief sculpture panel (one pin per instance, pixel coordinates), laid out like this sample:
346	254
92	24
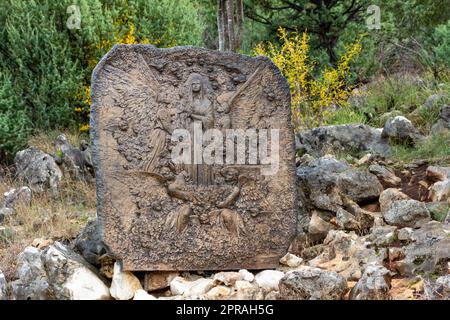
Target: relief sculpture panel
153	107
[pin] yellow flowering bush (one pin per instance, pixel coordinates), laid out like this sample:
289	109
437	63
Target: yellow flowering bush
313	97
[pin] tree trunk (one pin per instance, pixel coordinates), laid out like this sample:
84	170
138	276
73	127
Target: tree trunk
220	25
331	54
239	23
328	42
230	24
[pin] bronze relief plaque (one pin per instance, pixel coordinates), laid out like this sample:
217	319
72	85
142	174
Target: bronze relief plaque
160	213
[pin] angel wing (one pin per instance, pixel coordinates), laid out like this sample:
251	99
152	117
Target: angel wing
245	102
178	220
232	221
133	86
135	89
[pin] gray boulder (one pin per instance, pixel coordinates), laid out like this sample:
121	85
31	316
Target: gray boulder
440	127
32	281
89	243
381	236
405	234
76	162
444	113
347	254
15	197
326	181
436	173
400	129
407	213
352	138
56	273
374	284
5	212
318	226
440	191
359	185
38	169
12	199
307	283
443	123
70	276
330	189
346	220
433	100
389	196
385	175
442	288
428	252
3	288
34	290
385	116
311	165
318	180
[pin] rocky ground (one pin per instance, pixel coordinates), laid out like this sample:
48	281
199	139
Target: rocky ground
369	227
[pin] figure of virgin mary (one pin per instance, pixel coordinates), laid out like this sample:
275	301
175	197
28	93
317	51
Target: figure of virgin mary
200	111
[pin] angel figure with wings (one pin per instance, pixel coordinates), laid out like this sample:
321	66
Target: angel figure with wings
146	122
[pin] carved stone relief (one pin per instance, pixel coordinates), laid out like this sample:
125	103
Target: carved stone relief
160	215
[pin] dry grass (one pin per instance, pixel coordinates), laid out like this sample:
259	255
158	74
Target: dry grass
58	217
44	140
8	259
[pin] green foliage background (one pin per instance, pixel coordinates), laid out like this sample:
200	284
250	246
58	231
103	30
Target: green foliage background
44	65
45	68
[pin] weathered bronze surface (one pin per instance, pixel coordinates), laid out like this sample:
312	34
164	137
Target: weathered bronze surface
157	215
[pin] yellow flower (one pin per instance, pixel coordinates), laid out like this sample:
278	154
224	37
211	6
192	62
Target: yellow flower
84	127
312	96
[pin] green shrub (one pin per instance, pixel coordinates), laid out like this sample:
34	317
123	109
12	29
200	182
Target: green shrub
428	116
46	68
167	22
346	116
441	37
15	125
394	93
402	95
36	52
14	132
435	52
438	210
435	148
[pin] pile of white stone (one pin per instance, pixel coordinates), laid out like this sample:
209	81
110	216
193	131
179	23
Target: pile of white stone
54	271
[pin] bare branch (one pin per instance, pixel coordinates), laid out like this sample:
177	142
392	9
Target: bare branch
293	5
